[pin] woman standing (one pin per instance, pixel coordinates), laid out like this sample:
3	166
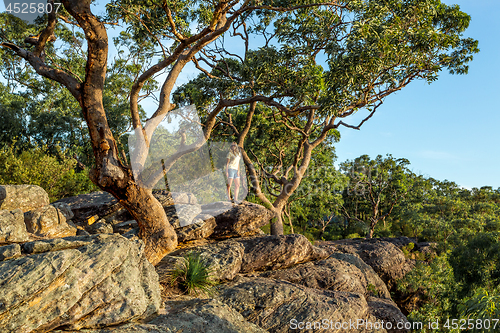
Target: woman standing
233	170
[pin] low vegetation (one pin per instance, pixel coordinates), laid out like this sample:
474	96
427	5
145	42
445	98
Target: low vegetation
58	175
193	275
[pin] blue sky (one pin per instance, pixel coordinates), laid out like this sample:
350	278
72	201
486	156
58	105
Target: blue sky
449	129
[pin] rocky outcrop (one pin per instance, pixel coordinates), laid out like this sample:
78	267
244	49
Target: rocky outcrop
278	306
202	227
24	197
344	273
84	282
100	227
276	252
50	221
243	255
341	272
12	227
192	316
218	220
208	316
10	252
241	220
124	227
86	206
384	257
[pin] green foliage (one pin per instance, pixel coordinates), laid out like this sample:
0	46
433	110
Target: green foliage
482	305
38	112
476	263
193	275
434	288
407	249
57	176
375	188
372	290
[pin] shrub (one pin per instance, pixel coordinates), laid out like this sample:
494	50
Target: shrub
482	305
35	166
193	275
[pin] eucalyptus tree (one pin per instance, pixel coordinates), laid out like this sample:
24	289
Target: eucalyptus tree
375	188
372	49
318	65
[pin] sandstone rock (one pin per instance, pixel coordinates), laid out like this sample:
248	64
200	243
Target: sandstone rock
334	274
85	206
24	197
276	305
65	209
12	227
399	241
10	251
275	252
165	267
49	221
241	220
225	258
207	316
126	226
100	227
387	310
117	217
58	244
368	272
82	232
202	227
193	316
106	282
385	258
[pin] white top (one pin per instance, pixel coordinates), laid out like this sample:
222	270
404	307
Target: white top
234	160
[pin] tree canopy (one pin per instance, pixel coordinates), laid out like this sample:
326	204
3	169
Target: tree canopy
313	64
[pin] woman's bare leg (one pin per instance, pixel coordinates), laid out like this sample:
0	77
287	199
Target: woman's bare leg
229	182
236	188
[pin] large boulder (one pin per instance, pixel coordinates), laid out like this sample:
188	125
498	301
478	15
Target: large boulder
170	201
224	258
192	316
202	227
207	316
279	306
100	227
341	272
10	251
241	220
89	282
87	206
50	221
24	197
275	252
344	273
384	257
12	227
244	255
